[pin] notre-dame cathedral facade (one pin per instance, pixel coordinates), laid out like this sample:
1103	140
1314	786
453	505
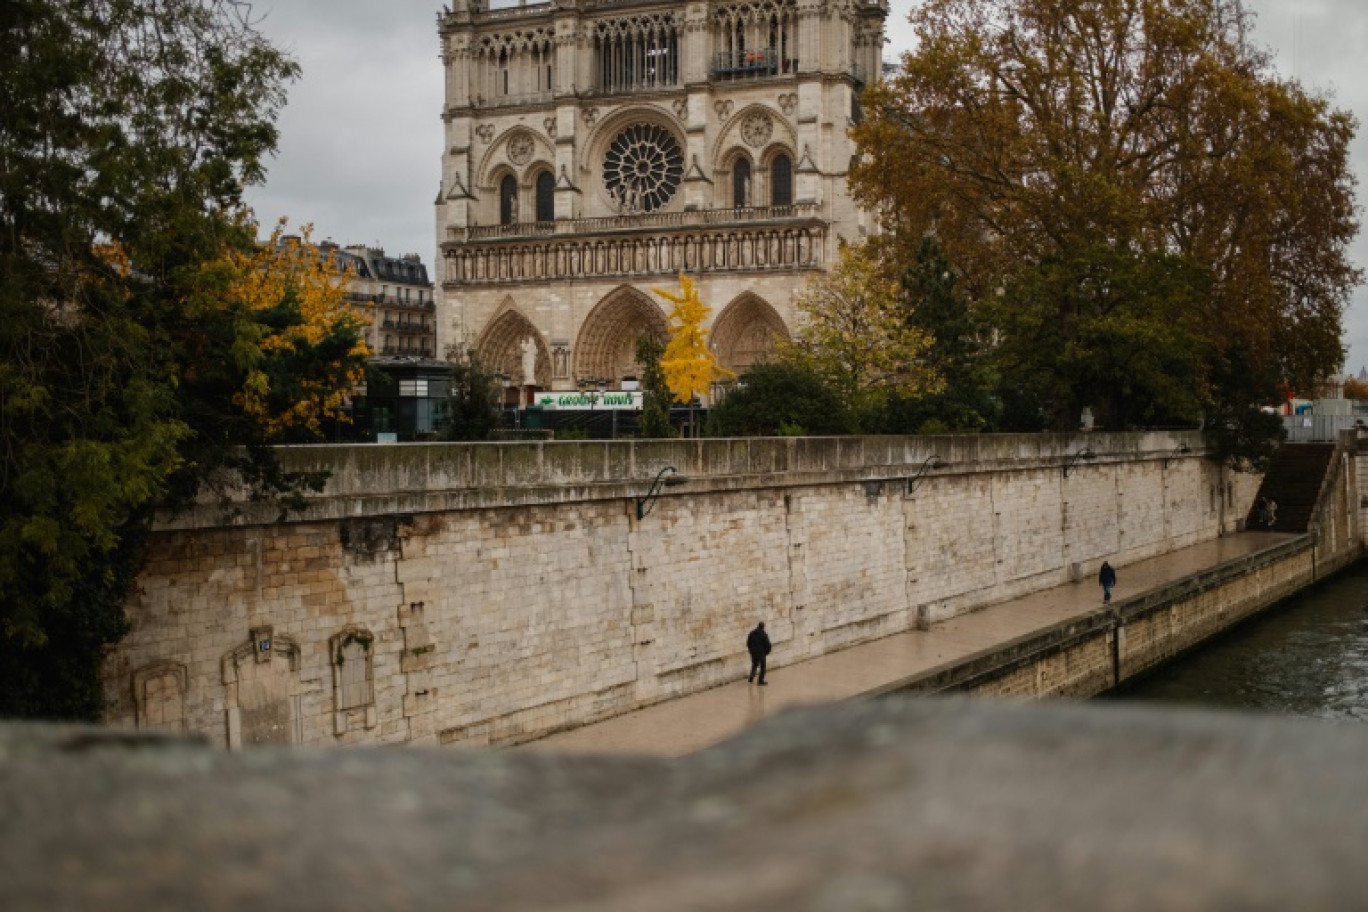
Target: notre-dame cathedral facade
596	148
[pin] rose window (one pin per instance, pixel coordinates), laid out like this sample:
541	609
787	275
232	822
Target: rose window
643	168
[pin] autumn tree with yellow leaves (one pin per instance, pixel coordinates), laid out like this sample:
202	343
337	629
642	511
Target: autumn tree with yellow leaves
148	348
856	333
303	350
1153	222
689	365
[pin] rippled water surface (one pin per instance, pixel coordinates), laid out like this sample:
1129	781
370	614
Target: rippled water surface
1306	657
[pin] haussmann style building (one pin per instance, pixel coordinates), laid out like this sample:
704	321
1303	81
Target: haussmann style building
596	148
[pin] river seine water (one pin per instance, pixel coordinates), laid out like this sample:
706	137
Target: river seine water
1307	656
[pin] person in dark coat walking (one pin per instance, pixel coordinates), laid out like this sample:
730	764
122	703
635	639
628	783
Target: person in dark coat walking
1106	578
758	645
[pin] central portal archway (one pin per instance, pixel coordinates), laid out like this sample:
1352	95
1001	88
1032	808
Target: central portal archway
606	347
746	331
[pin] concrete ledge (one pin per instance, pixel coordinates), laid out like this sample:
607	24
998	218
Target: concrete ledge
943	804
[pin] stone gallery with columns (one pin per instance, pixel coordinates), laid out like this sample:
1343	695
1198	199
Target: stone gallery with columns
596	148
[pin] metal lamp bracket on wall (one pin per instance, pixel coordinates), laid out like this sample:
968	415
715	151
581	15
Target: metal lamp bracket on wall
930	464
667	477
1182	450
1073	460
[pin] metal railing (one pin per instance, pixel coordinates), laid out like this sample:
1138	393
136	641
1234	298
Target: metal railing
752	63
388	301
1319	428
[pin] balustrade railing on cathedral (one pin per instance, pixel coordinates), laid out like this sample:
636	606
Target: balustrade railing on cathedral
512	9
495	101
656	220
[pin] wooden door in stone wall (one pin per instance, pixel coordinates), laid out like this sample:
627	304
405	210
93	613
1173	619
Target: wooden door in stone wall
261	679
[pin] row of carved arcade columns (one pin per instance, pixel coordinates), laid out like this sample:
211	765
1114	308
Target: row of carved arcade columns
799	248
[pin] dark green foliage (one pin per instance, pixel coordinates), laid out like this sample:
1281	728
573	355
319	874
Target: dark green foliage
1241	436
934	304
473	412
1106	329
655	407
780	399
127	130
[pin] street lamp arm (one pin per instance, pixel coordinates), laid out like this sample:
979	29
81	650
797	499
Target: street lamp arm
932	462
1084	453
667	477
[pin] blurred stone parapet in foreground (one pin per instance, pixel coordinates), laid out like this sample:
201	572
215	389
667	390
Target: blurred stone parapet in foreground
891	804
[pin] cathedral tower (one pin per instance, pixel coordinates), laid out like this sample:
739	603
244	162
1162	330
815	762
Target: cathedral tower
596	148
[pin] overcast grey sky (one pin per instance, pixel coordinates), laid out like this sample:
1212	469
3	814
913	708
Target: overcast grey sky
361	138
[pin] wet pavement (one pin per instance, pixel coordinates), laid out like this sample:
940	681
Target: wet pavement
687	724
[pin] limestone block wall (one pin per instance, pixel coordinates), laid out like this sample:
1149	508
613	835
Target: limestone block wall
1086	656
493	592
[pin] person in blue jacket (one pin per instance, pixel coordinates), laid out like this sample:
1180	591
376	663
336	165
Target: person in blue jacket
1106	578
758	645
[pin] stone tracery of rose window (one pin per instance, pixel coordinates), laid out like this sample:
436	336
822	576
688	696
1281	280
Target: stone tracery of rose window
642	168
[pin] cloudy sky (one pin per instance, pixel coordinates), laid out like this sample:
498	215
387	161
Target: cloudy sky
361	138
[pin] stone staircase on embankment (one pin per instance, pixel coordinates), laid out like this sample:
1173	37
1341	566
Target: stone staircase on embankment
1293	481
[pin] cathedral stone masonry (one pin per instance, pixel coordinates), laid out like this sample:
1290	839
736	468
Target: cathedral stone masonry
595	149
443	593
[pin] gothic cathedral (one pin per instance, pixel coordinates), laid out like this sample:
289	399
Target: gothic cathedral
596	148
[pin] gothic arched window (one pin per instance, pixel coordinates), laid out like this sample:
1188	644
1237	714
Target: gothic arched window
781	181
546	197
508	200
741	184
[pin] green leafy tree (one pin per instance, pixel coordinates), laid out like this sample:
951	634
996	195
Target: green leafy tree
856	334
1241	434
128	355
781	399
655	406
1047	142
933	303
1112	331
473	409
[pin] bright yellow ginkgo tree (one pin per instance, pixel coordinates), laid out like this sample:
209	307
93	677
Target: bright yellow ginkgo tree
690	367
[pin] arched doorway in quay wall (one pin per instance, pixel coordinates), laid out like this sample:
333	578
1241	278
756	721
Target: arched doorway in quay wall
606	347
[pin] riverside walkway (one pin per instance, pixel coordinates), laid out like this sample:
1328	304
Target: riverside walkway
687	724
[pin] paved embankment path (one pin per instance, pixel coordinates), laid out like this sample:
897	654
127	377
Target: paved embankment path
691	723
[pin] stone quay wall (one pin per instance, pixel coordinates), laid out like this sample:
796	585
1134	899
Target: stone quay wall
438	593
1090	655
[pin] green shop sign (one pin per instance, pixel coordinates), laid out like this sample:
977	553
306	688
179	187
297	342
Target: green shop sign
618	400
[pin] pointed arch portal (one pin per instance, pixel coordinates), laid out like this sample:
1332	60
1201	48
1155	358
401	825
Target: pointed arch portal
745	332
500	347
606	347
